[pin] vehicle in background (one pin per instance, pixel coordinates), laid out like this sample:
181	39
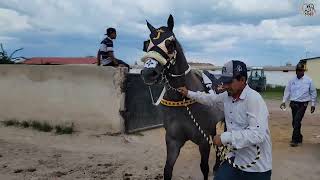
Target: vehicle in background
257	79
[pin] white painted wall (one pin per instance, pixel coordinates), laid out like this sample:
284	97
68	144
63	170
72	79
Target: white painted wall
86	95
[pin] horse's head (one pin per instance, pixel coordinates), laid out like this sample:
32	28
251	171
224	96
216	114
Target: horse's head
161	50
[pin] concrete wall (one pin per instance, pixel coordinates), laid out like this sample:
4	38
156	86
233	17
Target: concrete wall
86	95
313	68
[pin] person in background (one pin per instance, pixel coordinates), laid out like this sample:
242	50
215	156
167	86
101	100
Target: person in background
299	91
105	56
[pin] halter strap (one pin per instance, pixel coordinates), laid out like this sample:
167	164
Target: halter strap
183	74
160	97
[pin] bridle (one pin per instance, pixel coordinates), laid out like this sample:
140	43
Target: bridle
164	81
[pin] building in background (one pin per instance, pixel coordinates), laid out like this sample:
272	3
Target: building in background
313	69
60	60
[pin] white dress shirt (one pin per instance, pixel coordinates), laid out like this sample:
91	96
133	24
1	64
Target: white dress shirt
300	90
247	125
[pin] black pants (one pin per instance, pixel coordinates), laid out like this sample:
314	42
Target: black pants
119	62
298	109
227	172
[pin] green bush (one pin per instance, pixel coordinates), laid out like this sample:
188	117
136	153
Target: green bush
40	126
25	124
45	127
10	122
64	129
8	59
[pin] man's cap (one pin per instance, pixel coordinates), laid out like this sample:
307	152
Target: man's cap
300	67
110	30
232	69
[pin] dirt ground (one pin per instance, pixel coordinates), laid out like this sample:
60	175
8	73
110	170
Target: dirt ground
27	154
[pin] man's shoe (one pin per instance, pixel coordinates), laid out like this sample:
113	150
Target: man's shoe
294	144
297	142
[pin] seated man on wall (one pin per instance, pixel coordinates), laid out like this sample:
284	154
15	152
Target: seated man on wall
105	56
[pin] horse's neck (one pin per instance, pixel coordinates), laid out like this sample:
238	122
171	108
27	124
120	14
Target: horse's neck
192	82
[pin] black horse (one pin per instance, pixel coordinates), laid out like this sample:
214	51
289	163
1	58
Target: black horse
164	62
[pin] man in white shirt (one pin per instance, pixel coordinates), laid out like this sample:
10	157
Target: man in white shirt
246	117
300	90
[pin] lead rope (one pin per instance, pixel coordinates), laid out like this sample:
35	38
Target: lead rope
223	150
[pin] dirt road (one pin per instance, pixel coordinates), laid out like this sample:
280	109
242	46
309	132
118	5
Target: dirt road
27	154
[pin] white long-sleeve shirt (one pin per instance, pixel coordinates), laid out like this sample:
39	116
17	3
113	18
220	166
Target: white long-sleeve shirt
300	90
247	125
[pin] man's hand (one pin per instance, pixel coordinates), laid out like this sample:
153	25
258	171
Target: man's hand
283	106
217	140
183	90
312	109
221	88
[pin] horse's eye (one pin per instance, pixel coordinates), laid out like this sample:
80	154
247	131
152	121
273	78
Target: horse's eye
170	45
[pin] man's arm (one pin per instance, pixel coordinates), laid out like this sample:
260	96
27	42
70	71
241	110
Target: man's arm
286	93
202	97
256	132
111	55
313	93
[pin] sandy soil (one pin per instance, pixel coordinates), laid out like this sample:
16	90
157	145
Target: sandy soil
27	154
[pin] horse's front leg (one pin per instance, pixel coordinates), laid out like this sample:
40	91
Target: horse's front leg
204	149
173	150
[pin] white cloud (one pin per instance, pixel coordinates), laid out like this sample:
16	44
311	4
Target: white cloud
222	36
226	44
255	7
205	27
11	21
5	39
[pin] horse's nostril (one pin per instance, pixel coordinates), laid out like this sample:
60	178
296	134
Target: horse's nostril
154	73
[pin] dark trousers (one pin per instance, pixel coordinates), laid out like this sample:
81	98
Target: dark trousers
119	62
298	109
227	172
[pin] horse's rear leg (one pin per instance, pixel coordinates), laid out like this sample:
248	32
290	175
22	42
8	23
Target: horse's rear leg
204	149
173	150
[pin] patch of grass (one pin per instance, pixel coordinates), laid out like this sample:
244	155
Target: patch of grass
273	92
11	122
25	124
40	126
276	93
64	129
45	127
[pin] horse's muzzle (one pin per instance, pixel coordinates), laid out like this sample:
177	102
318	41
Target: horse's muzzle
150	76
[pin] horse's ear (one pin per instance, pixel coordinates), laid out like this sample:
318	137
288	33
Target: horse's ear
151	28
170	22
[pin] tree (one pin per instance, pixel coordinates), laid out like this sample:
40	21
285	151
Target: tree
5	59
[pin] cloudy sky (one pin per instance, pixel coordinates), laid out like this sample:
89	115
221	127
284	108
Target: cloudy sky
268	32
